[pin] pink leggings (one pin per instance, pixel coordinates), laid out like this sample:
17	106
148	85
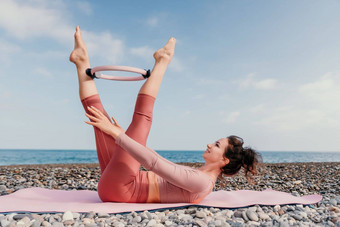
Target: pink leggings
121	180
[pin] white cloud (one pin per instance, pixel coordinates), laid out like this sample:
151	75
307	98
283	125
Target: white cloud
258	108
143	51
104	46
315	105
265	84
43	72
199	96
31	19
290	118
232	117
152	21
325	91
176	65
209	81
8	47
85	7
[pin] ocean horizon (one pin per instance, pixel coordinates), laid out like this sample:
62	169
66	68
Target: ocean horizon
56	156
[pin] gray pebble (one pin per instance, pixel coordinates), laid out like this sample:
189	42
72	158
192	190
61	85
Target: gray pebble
45	223
36	223
252	215
333	202
168	223
151	222
244	216
3	188
201	214
200	223
58	224
91	225
218	223
283	224
263	216
103	215
90	215
21	216
297	217
67	216
137	219
4	223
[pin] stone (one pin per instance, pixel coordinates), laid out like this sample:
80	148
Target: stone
76	215
151	222
24	221
238	214
68	222
57	224
225	224
201	214
244	216
45	224
252	215
200	223
67	216
21	216
297	182
36	223
103	215
90	215
168	223
253	223
283	224
3	188
277	208
137	219
333	202
218	223
254	209
4	223
297	217
264	216
158	225
118	224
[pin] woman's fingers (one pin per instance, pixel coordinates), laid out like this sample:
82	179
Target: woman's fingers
114	120
91	117
90	123
95	111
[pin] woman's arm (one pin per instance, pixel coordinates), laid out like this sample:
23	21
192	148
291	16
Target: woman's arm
181	176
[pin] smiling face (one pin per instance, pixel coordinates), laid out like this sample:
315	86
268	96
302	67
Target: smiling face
215	151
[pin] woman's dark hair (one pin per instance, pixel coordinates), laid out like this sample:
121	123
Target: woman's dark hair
239	157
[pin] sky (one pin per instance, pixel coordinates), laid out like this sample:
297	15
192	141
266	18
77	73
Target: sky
267	71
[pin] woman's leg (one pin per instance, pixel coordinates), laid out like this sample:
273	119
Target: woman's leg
80	58
122	181
89	97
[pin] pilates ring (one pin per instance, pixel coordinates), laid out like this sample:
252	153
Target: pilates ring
95	73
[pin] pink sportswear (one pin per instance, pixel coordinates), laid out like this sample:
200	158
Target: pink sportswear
121	179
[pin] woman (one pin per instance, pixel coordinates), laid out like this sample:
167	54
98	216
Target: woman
121	153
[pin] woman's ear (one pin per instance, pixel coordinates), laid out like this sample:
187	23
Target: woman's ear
226	161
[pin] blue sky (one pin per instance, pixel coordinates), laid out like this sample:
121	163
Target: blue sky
268	71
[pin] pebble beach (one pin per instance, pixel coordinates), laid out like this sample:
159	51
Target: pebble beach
296	178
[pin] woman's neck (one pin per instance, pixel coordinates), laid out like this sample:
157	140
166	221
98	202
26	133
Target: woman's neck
212	170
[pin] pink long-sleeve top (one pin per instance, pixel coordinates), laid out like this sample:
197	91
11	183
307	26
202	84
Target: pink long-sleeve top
174	183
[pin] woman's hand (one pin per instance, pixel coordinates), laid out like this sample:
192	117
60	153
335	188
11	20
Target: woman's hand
100	121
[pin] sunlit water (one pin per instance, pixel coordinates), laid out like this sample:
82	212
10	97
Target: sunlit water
15	157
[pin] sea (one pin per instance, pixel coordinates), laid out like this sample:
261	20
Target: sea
31	156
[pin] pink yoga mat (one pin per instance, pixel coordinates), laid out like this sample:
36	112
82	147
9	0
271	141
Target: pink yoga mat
47	200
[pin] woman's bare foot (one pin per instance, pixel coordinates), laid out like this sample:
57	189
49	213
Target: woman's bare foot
79	54
167	52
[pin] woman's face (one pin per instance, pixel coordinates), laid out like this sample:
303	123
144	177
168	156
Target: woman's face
215	151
